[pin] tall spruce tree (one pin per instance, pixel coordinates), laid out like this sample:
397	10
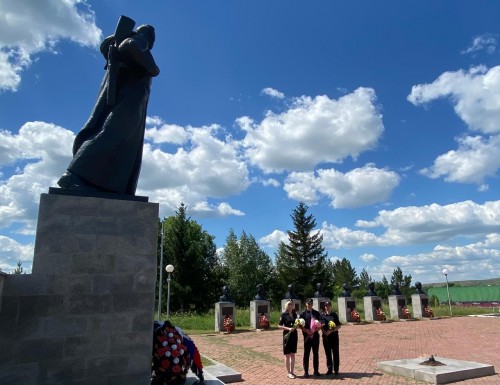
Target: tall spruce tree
344	273
303	260
192	252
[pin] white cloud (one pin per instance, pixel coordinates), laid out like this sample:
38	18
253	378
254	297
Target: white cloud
475	159
486	42
273	240
312	131
475	94
367	257
359	187
273	93
12	252
30	27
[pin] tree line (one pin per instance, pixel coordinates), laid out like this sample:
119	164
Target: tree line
201	272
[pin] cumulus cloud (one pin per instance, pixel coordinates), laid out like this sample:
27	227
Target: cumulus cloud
274	239
367	257
28	28
485	42
475	159
312	131
475	95
359	187
273	93
157	131
14	252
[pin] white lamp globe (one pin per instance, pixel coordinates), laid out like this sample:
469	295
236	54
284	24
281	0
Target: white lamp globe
169	268
445	271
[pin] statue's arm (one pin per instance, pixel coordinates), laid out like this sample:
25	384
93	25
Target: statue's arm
105	46
136	48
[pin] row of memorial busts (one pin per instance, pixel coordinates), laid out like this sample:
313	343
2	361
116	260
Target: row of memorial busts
225	309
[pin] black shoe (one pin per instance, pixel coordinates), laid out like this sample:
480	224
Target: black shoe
317	374
336	373
306	375
329	373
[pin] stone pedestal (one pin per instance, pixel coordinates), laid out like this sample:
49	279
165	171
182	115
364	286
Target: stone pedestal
396	305
319	303
371	304
223	309
346	305
88	307
419	302
296	302
257	308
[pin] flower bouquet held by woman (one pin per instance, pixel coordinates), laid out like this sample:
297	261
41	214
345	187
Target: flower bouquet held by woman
299	323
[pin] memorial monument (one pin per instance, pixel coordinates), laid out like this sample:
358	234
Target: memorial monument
397	304
347	304
290	294
373	305
420	303
260	309
85	314
225	311
319	298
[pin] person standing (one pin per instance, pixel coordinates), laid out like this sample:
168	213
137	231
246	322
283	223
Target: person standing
311	338
287	322
331	338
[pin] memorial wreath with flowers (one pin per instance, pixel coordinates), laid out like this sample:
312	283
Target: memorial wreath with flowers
406	312
355	316
263	321
228	324
380	314
428	312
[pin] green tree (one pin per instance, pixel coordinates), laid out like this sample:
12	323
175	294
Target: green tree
247	266
403	281
192	251
344	273
382	288
363	280
19	269
303	260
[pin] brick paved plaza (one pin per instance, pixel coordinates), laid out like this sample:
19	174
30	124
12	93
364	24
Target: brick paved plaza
258	355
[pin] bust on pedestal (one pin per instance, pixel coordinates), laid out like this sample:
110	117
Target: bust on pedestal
319	298
260	309
291	295
225	309
347	304
420	303
373	305
397	304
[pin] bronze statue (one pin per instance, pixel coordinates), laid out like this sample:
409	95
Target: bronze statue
319	291
226	296
418	287
345	291
396	290
371	290
260	292
290	294
107	152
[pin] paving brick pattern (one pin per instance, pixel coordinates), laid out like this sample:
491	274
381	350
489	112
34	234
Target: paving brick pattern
258	355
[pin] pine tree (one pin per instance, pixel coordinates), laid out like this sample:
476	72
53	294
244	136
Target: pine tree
303	260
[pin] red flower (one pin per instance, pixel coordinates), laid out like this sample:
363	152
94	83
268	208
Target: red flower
228	324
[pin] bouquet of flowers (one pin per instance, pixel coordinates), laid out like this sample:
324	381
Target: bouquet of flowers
331	325
428	312
229	324
380	314
406	312
355	315
263	321
299	323
314	326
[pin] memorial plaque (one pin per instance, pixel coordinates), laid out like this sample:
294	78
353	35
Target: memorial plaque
322	305
351	305
227	311
297	307
262	309
401	302
425	302
377	303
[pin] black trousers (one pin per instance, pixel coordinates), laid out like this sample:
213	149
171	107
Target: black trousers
332	351
311	343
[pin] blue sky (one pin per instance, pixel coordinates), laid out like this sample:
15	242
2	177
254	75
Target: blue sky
383	117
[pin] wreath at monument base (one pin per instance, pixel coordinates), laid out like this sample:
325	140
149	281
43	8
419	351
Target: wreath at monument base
355	316
263	321
406	312
229	324
380	314
428	312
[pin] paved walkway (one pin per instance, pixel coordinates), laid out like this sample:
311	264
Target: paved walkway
258	355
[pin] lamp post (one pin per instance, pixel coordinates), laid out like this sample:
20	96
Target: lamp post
445	272
161	273
169	269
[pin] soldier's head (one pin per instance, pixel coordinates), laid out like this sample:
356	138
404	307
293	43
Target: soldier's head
148	32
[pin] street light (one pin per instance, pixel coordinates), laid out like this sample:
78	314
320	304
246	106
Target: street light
169	269
445	272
